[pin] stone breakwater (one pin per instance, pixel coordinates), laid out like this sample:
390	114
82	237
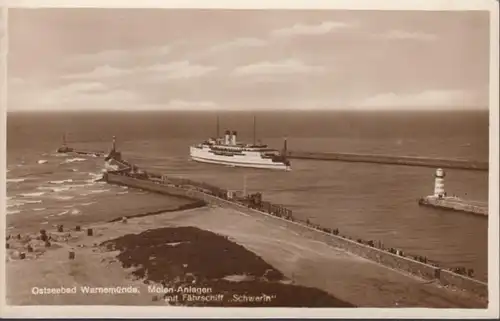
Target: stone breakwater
391	159
278	215
456	204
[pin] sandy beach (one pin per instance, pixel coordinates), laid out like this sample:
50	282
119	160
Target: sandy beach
342	279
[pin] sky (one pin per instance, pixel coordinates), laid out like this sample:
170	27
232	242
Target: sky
193	59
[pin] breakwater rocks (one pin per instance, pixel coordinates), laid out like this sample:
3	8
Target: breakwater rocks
276	214
192	267
391	159
456	204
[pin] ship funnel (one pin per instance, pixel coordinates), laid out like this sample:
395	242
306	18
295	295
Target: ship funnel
227	139
233	138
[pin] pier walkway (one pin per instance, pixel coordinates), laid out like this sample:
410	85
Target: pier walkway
390	159
253	205
456	204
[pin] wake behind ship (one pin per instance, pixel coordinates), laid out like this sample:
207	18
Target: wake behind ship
228	151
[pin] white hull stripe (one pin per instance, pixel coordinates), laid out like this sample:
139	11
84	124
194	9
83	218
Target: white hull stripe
241	164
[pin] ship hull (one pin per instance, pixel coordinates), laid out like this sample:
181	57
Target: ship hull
205	157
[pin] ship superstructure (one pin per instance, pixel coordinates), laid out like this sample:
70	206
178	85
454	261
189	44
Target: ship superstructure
227	150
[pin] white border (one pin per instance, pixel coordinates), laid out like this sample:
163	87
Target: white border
263	4
179	312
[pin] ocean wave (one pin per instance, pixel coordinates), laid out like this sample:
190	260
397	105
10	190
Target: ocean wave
75	212
71	160
16	203
54	189
63	197
15	180
32	194
33	202
62	188
96	191
95	177
61	181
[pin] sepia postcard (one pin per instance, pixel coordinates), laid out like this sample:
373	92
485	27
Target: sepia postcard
249	159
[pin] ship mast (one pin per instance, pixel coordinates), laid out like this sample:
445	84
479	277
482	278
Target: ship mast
244	184
254	130
218	128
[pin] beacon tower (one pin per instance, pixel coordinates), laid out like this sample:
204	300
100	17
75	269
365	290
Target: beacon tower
439	183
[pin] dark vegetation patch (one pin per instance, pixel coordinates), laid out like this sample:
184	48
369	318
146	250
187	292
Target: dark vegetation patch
195	258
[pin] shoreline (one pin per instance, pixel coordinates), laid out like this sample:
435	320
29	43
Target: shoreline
306	263
241	286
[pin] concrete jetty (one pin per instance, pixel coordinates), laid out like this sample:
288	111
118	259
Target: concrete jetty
253	205
65	149
391	160
456	204
73	151
441	200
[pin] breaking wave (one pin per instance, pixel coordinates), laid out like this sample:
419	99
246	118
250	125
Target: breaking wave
32	194
62	213
75	212
63	197
72	160
54	189
96	175
15	180
11	203
42	161
96	191
61	181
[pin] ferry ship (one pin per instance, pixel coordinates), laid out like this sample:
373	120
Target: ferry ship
228	151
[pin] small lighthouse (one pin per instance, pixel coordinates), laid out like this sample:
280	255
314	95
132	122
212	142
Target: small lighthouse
439	183
113	154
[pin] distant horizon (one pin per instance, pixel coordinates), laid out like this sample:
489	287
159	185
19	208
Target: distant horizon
477	110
